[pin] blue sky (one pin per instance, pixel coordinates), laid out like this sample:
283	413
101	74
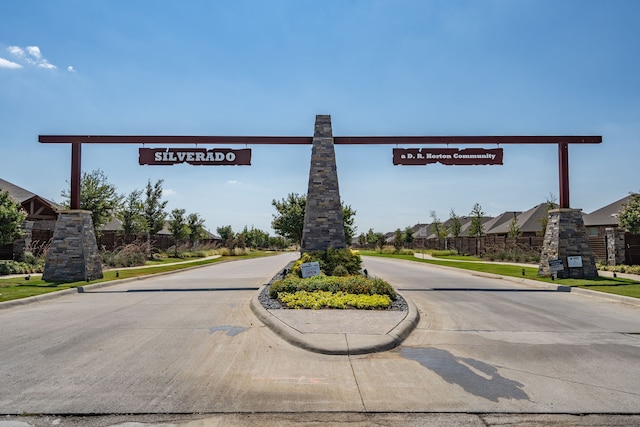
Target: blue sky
393	67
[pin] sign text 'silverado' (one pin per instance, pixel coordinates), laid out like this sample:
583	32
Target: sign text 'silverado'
194	156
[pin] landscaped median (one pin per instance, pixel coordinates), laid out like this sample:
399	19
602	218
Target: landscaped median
613	285
32	285
342	292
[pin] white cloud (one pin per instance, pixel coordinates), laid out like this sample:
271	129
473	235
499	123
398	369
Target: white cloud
31	55
71	69
45	64
233	182
169	192
34	51
5	63
16	51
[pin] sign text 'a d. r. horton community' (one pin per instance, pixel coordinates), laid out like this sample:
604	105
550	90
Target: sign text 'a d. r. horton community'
447	156
195	156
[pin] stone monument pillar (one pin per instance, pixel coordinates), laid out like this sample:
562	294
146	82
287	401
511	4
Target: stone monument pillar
323	223
566	252
73	255
615	246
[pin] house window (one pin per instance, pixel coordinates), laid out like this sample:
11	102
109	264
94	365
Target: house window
593	231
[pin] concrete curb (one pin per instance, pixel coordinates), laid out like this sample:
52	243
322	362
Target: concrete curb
339	343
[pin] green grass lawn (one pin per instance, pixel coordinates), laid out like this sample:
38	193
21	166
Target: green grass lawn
618	286
18	287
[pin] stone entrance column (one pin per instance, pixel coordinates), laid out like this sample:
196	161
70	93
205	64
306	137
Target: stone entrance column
323	223
73	255
566	244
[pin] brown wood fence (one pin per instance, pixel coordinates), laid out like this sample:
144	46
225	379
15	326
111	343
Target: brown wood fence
599	247
480	246
632	249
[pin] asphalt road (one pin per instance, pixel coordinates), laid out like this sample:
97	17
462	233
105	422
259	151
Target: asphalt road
188	343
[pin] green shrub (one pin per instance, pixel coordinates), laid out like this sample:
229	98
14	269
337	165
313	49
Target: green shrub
450	252
239	251
622	268
349	284
392	250
16	267
322	299
340	270
129	255
329	260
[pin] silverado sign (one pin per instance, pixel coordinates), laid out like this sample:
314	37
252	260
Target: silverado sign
194	156
447	156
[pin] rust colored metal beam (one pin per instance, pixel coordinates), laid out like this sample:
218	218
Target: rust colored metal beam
257	140
563	174
76	156
165	139
463	140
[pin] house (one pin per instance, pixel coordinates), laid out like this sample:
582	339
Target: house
529	222
39	225
606	217
37	207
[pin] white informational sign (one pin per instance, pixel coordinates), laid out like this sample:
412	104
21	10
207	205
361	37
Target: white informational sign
310	269
556	265
574	261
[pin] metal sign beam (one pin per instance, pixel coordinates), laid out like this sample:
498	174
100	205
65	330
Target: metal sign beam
259	140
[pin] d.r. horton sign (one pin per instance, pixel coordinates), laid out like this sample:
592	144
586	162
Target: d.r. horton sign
447	156
195	156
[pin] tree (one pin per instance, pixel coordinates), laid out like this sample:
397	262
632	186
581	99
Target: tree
254	238
408	236
195	227
278	242
380	240
372	237
153	211
476	228
629	215
398	240
11	218
97	196
439	230
348	218
514	228
544	220
362	239
227	235
131	213
289	220
178	227
455	226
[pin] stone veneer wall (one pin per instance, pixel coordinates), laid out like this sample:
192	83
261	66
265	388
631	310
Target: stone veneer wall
24	241
615	246
73	254
323	222
566	236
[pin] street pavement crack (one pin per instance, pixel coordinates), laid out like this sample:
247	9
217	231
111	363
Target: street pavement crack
355	379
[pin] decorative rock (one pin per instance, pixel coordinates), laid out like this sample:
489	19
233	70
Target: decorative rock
615	246
73	254
21	244
566	237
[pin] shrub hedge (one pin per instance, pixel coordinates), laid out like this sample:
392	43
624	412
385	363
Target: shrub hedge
348	284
